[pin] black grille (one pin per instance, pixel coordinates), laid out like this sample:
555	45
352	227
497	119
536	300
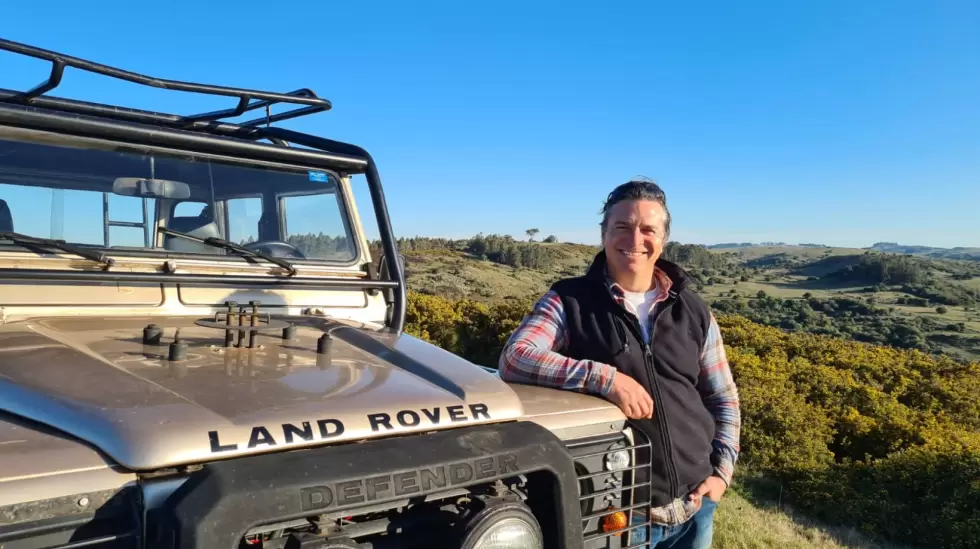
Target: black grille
603	492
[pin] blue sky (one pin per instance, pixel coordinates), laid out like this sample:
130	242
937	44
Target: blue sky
836	122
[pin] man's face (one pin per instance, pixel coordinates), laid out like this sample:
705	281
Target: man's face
634	236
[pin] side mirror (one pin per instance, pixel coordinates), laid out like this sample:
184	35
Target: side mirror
383	266
384	273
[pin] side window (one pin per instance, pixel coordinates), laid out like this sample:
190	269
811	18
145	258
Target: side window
243	219
317	226
73	215
126	217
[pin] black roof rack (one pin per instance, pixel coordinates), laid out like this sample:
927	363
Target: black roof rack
264	100
32	108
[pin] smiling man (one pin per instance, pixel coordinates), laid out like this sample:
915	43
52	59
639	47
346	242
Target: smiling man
633	331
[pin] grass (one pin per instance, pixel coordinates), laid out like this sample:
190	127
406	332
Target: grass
783	287
458	275
753	515
742	524
973	283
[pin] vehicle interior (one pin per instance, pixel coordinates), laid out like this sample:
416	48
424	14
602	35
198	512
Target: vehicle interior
129	200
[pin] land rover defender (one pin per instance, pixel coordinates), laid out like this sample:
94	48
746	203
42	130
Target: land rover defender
199	350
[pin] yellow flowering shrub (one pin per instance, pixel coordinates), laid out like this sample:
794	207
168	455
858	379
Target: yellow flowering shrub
884	439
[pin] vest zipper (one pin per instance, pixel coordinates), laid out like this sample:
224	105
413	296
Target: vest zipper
648	361
622	336
671	466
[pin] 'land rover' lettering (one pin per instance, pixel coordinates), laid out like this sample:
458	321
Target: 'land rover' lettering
289	430
411	418
408	418
338	428
306	433
263	436
325	429
260	435
216	445
386	486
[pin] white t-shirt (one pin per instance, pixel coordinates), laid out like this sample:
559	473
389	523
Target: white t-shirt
643	304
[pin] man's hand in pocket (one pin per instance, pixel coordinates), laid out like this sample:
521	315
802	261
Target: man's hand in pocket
713	487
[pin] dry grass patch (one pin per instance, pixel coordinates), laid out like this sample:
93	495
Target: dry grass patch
739	524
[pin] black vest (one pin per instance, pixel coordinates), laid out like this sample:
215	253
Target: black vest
681	430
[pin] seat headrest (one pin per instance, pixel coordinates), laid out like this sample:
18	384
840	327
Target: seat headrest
6	219
196	226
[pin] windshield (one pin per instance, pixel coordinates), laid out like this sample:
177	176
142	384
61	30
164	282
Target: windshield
122	200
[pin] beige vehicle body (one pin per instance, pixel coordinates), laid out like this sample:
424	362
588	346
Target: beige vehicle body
190	394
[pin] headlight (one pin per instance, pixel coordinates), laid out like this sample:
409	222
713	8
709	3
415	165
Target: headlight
617	460
509	533
503	525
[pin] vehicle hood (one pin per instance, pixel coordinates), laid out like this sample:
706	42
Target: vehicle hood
97	380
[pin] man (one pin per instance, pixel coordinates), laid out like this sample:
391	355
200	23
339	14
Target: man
633	331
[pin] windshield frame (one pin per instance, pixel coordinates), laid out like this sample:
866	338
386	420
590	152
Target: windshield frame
343	196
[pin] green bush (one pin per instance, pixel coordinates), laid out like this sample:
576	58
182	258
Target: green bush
926	496
880	438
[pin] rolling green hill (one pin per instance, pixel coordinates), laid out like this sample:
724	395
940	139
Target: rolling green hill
911	302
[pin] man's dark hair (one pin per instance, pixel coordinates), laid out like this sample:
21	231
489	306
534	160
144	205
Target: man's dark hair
639	188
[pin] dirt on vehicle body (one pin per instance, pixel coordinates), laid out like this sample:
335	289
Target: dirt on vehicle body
197	349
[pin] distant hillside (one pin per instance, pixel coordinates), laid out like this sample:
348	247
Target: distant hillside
962	253
725	245
895	248
970	254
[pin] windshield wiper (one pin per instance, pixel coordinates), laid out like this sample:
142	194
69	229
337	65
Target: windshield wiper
32	241
221	243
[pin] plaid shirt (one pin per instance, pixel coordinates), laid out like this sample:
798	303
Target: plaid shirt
531	355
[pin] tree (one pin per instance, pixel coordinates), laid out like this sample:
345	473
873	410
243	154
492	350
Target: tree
531	233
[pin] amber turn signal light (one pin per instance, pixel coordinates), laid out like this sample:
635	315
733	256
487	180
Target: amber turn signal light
614	521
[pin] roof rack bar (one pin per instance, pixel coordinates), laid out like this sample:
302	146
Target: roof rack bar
244	106
277	117
125	114
60	61
205	141
57	72
216	115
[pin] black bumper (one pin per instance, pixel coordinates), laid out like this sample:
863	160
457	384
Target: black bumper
221	502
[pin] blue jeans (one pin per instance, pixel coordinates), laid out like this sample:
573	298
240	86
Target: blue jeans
696	533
